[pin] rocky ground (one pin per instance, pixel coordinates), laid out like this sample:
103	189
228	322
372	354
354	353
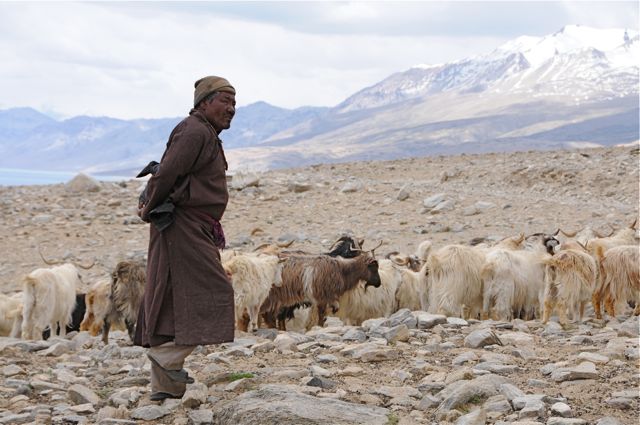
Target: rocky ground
411	368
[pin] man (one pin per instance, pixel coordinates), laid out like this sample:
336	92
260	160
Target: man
188	298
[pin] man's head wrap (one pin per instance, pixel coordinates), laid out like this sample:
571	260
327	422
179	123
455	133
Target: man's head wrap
207	85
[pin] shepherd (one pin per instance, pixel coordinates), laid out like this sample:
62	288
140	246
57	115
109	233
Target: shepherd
188	298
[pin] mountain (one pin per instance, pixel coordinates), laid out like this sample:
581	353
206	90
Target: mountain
576	87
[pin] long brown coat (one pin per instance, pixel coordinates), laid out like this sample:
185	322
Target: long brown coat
188	297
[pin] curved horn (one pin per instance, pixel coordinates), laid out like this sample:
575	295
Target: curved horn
582	245
567	234
600	235
47	262
392	253
259	247
376	247
284	244
634	225
86	267
520	238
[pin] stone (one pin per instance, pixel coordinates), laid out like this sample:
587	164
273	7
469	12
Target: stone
555	420
195	395
481	338
456	322
428	321
532	410
352	186
561	409
12	370
326	358
274	404
433	200
150	412
517	339
462	392
201	417
511	392
243	180
79	394
321	382
402	317
82	183
354	334
620	403
404	192
593	357
468	356
477	417
299	187
428	402
585	370
608	420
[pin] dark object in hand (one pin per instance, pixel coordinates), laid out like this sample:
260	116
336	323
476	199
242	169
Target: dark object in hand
151	168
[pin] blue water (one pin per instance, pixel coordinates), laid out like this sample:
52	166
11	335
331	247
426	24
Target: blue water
18	177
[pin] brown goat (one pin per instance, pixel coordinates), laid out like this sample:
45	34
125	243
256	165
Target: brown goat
127	290
619	278
319	280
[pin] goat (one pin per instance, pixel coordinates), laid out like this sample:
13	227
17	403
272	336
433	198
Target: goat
10	314
358	305
252	277
320	280
127	290
619	278
49	299
455	286
345	247
599	246
570	278
513	276
98	301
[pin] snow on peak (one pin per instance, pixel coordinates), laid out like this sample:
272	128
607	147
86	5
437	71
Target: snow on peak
571	38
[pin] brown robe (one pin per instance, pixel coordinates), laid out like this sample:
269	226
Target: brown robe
188	297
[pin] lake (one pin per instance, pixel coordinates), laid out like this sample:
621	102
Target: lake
19	177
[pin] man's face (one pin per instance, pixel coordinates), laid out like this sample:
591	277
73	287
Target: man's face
220	110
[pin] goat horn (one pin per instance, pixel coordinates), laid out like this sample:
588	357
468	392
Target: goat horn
634	225
259	247
49	263
334	244
582	245
400	261
377	246
285	244
392	253
87	267
567	234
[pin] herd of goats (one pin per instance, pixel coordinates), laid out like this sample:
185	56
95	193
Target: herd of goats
528	277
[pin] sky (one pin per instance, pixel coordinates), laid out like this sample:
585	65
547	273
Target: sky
140	59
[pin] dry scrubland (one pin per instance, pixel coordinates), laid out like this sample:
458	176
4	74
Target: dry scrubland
413	373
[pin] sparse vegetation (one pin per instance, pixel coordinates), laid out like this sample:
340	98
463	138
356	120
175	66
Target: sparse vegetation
240	375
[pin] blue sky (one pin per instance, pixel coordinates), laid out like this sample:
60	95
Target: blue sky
140	59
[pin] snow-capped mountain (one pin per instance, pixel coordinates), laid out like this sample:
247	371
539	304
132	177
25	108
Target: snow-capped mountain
576	87
575	61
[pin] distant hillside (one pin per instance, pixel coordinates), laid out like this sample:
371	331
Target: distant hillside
577	87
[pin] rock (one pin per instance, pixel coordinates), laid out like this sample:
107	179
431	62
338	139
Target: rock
511	392
285	342
299	187
565	421
532	410
428	402
12	370
404	193
593	357
477	417
516	338
456	322
463	358
79	394
481	338
195	395
428	321
585	370
149	412
608	420
326	358
520	402
82	183
433	200
354	334
462	392
242	180
273	404
201	417
620	403
445	206
403	317
321	382
561	409
352	186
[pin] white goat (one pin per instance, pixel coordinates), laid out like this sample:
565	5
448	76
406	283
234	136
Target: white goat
455	286
10	314
252	277
49	299
570	278
513	277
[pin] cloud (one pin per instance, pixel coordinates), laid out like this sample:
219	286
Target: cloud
129	60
